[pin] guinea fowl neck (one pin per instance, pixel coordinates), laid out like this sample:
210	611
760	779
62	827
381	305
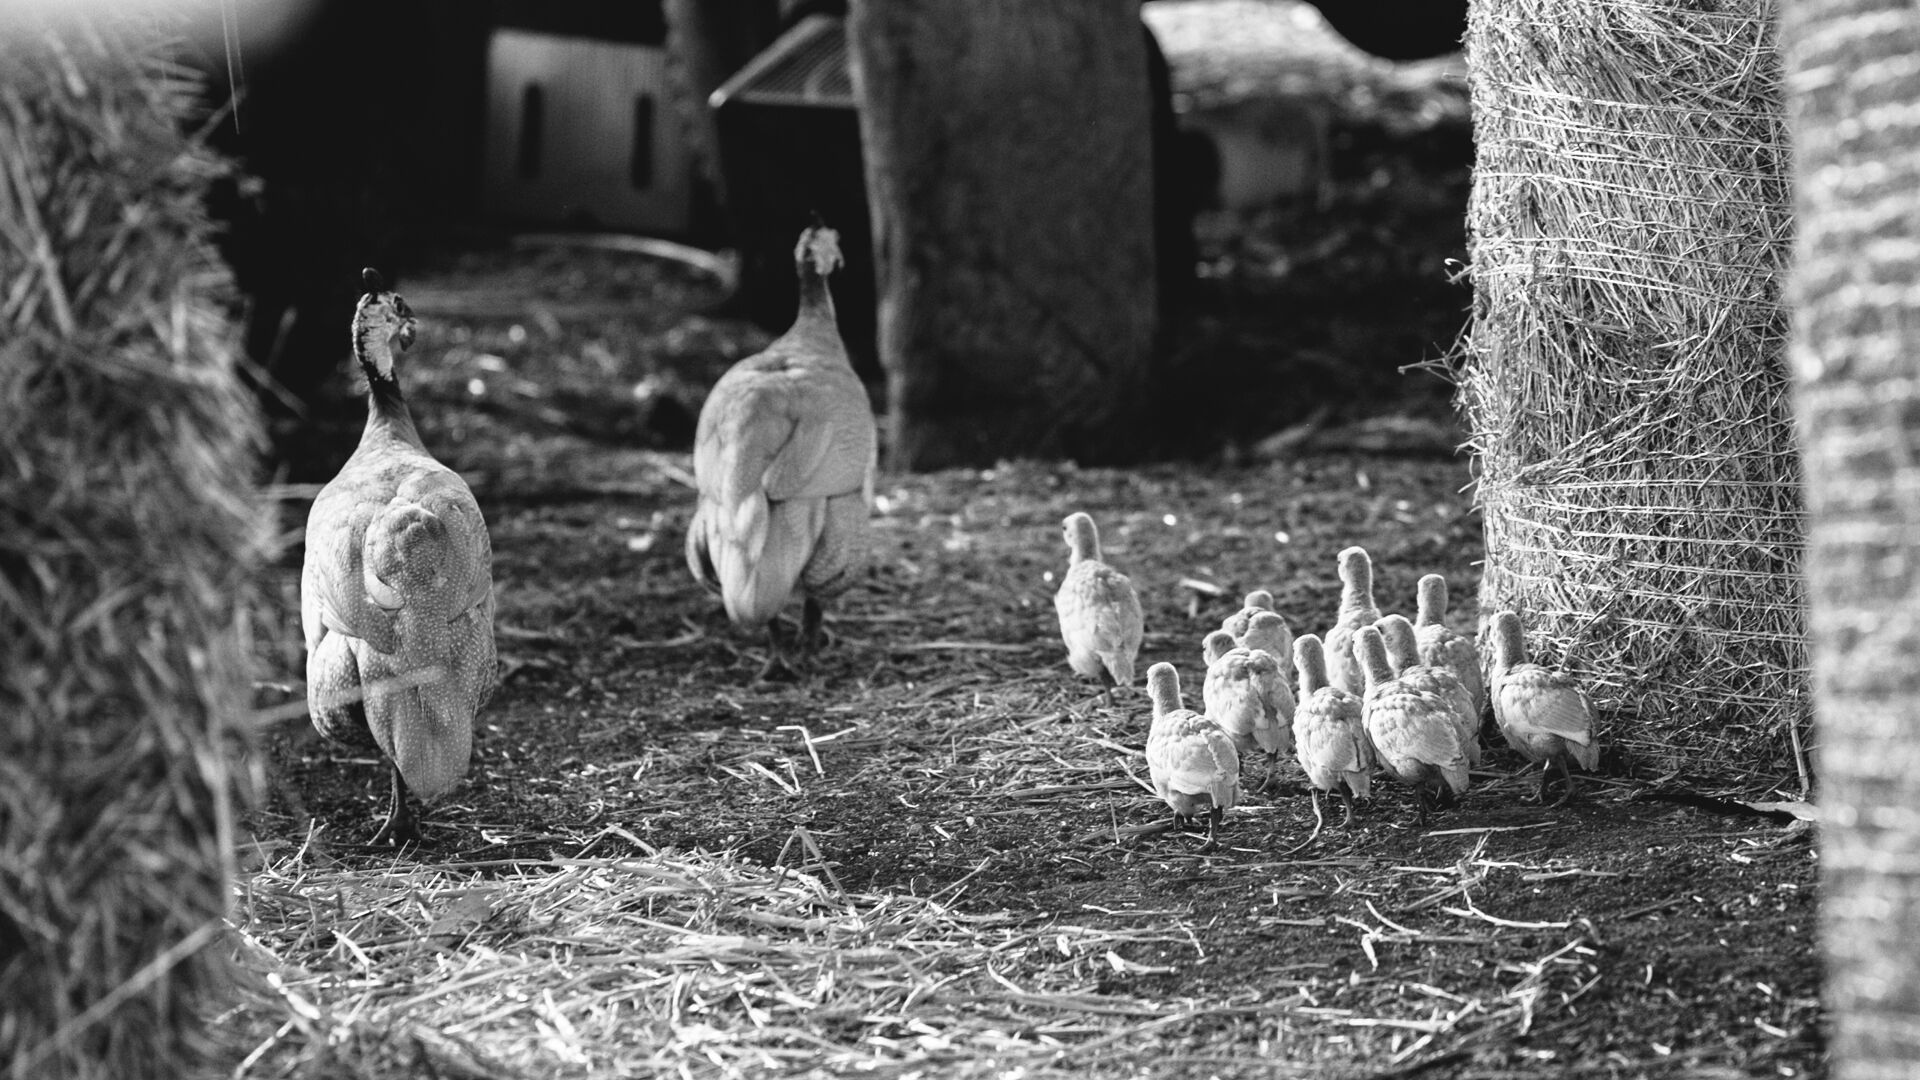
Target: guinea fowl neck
386	405
815	315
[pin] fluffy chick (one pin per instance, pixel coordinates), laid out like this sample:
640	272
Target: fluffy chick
1413	732
1442	647
1256	601
1246	693
1100	619
1357	609
1193	765
1329	732
1540	712
1403	655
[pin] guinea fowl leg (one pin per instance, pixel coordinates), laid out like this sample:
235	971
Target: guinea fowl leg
1346	804
400	828
777	666
1273	771
813	632
1213	826
1565	795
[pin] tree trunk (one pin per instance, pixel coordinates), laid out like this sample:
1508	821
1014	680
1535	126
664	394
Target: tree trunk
707	41
1856	357
1008	160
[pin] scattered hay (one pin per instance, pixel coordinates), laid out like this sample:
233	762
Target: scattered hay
1623	378
128	537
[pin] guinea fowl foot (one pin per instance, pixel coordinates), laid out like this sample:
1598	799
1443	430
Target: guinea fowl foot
813	629
401	827
1346	804
777	667
1564	795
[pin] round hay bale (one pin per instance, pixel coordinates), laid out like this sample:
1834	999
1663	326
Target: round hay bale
129	536
1623	378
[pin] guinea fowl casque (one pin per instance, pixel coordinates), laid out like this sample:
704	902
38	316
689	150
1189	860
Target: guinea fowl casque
1441	646
396	593
1329	733
1413	733
1193	765
1540	712
784	458
1403	656
1357	609
1247	695
1100	618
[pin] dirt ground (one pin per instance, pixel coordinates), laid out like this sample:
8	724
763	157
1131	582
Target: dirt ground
942	749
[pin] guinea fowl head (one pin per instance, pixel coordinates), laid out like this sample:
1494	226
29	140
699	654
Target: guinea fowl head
380	320
818	251
1509	648
1370	649
1163	688
1083	538
1403	649
1268	630
1356	571
1432	604
1310	661
1216	645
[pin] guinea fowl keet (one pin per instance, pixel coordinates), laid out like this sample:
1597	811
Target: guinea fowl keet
1268	632
396	590
1256	601
1413	732
1329	733
1247	695
1403	656
1357	609
1100	618
784	457
1540	712
1441	646
1193	765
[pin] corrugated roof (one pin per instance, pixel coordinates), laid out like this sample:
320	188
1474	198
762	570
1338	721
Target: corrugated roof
807	65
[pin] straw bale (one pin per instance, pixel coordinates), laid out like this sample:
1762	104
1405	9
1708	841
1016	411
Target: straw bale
128	537
1623	376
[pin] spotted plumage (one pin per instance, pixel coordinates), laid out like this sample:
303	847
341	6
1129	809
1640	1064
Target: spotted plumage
784	458
396	590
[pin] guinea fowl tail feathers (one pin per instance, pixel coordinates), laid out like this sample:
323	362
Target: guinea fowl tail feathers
761	550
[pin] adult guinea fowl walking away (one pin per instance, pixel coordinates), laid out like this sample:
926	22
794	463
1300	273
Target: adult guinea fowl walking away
1100	618
784	459
396	594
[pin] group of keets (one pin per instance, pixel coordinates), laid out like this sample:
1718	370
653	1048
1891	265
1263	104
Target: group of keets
397	603
1378	692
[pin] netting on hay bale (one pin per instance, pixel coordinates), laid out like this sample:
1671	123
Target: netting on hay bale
1623	377
128	538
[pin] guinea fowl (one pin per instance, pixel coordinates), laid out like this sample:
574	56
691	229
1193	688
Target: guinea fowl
396	592
1192	763
1256	601
1413	732
784	457
1100	618
1442	647
1268	632
1540	712
1247	695
1357	609
1329	733
1403	656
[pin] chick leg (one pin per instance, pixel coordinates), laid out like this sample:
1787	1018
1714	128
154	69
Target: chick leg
1273	772
1565	771
1346	804
400	828
1213	826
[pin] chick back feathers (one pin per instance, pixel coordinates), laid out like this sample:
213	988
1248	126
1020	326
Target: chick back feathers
1100	620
